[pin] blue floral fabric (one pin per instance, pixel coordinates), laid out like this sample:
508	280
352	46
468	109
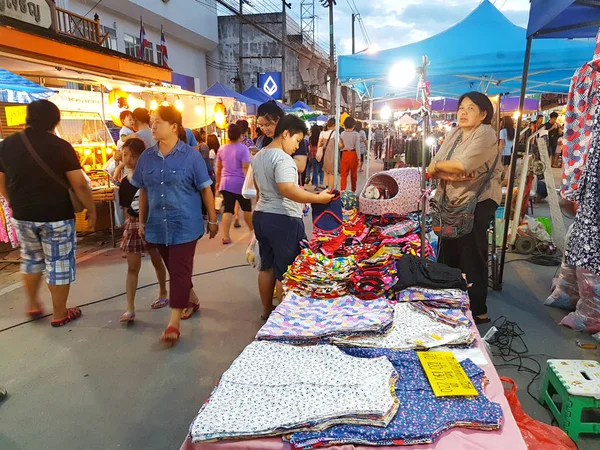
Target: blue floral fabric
422	416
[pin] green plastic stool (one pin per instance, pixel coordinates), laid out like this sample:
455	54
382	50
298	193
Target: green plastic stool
577	382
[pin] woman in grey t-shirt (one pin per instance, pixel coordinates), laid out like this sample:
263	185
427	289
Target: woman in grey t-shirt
277	218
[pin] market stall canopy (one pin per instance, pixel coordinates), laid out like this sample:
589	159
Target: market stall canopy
407	120
218	90
258	94
398	104
483	52
303	106
563	19
507	104
16	89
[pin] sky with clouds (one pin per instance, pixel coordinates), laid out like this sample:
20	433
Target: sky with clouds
392	23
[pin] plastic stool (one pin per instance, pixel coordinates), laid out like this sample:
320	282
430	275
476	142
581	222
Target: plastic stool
577	382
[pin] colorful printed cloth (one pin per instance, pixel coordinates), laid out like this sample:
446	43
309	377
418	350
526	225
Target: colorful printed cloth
373	278
412	329
423	416
272	388
579	116
442	298
452	317
300	318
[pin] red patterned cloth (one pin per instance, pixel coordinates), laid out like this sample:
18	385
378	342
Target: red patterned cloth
132	241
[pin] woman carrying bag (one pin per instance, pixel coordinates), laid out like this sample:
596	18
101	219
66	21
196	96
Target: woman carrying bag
327	144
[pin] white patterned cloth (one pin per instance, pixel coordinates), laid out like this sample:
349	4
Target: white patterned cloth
273	388
412	329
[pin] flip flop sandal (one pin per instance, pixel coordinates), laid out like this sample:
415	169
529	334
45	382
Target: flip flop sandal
170	340
194	307
35	313
127	317
226	241
72	314
480	321
160	303
236	224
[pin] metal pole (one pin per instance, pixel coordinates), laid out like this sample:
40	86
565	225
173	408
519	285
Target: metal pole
370	133
353	52
425	124
513	162
338	113
283	49
205	119
241	51
332	71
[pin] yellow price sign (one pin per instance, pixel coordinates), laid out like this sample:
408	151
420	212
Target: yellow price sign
446	376
15	115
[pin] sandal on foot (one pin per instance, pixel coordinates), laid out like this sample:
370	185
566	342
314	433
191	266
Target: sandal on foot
236	224
127	317
159	303
194	307
170	340
72	314
481	320
35	313
226	241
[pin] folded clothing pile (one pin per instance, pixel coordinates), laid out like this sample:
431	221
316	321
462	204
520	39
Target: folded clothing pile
448	316
317	276
415	271
300	320
273	389
373	278
435	298
423	417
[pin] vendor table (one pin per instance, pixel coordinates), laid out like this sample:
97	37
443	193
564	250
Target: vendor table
508	437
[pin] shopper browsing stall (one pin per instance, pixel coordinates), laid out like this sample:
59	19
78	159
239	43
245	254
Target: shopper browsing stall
350	147
170	175
133	245
462	165
327	143
277	219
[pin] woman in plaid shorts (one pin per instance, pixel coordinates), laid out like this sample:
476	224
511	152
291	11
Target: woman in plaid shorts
132	245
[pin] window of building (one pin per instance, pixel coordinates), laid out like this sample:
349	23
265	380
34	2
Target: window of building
111	40
132	45
159	59
149	52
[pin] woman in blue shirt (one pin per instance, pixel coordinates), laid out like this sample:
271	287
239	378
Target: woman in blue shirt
169	175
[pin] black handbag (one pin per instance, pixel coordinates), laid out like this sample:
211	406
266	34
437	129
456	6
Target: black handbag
454	221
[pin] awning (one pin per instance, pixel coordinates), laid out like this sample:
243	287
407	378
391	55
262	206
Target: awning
563	18
16	89
218	90
303	106
261	96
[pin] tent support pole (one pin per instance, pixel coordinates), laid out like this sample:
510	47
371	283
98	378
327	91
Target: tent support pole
425	126
497	284
338	113
370	130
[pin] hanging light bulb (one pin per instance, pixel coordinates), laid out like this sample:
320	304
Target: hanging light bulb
165	103
179	104
131	101
198	110
220	114
153	105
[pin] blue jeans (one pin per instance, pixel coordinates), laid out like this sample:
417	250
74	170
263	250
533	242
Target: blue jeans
315	172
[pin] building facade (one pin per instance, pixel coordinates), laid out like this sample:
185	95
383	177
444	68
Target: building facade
306	68
190	28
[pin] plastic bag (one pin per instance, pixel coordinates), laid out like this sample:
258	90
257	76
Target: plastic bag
253	253
565	292
586	316
249	189
537	435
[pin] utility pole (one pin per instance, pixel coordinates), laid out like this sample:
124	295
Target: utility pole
353	52
241	51
284	6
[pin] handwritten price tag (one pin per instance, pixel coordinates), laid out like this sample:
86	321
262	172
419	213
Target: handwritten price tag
15	115
446	376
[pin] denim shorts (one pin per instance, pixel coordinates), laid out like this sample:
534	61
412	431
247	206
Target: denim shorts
278	239
48	246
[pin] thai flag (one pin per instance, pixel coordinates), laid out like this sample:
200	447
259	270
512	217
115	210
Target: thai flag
143	39
163	49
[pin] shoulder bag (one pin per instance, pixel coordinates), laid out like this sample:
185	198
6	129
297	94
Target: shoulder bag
321	150
455	221
75	201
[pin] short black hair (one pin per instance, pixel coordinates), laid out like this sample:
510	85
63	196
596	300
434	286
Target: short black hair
125	114
270	111
483	103
291	123
243	124
554	115
142	115
349	122
540	116
358	126
331	122
234	132
135	145
43	115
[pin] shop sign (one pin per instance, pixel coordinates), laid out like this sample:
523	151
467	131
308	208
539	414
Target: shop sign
76	100
270	82
34	12
15	115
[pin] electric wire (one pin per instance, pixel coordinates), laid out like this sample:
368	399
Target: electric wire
112	297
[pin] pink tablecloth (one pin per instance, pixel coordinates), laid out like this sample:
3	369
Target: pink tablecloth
507	438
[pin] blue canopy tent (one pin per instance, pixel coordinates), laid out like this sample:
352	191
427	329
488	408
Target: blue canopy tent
16	89
259	95
567	19
303	106
218	90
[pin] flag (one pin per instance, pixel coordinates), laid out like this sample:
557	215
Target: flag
163	49
143	39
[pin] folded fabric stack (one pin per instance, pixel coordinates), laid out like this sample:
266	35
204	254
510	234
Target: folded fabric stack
436	298
452	317
423	417
373	278
304	320
413	329
415	271
272	389
317	276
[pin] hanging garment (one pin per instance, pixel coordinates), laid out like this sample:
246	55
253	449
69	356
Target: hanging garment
579	117
8	231
299	319
414	271
422	418
272	388
412	329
